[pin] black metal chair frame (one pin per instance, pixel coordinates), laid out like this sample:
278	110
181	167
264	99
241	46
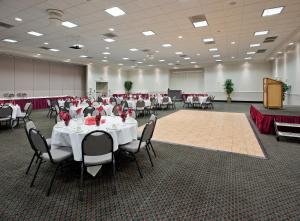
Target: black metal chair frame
10	116
84	166
88	110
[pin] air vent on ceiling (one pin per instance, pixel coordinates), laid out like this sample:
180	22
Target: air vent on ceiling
45	48
261	51
183	55
133	60
76	46
209	42
110	35
270	39
5	25
145	50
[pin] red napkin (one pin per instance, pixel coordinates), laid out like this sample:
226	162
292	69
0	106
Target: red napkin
97	119
66	118
90	103
90	121
104	102
100	109
130	112
123	115
78	111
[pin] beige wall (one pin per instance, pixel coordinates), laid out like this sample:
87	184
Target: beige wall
40	77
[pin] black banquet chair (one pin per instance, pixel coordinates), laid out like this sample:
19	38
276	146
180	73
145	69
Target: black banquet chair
6	115
88	110
57	156
134	147
97	149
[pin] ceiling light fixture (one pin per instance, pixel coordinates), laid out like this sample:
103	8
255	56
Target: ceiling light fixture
180	37
232	57
259	33
54	49
161	60
254	45
18	19
9	40
148	33
193	62
120	64
233	42
216	55
133	49
198	54
291	43
219	60
251	52
46	43
248	58
106	52
187	58
207	40
109	40
69	24
179	52
115	11
111	29
83	56
125	58
34	33
272	11
166	45
213	49
199	21
104	60
67	60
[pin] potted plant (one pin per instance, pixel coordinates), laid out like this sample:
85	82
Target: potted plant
128	86
285	88
228	87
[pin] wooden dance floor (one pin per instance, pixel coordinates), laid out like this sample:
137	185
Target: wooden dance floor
220	131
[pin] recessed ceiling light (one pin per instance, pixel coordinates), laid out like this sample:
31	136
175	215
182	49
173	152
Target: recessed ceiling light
187	58
83	56
219	60
105	57
18	19
161	60
258	33
133	49
107	48
67	60
109	40
104	60
140	62
150	65
233	57
77	46
180	37
193	62
179	52
177	61
54	49
115	11
200	24
213	49
254	45
198	54
34	33
251	52
106	52
199	21
166	45
125	58
120	64
271	58
111	29
216	55
272	11
291	43
233	42
148	33
248	58
46	43
156	51
206	40
37	55
279	52
170	64
69	24
10	40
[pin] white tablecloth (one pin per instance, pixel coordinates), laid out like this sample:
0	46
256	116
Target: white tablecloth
70	135
202	99
132	103
160	99
16	111
108	109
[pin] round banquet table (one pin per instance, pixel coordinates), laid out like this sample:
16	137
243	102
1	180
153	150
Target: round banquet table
73	134
16	111
202	99
108	109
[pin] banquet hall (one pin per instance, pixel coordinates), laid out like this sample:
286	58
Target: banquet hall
149	110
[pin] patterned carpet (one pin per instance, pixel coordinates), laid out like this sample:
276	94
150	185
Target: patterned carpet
184	184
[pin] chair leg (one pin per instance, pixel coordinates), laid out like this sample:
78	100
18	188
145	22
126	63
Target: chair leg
52	180
152	149
37	170
114	176
81	183
139	169
32	159
149	155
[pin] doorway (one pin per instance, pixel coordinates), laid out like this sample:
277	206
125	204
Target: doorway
102	89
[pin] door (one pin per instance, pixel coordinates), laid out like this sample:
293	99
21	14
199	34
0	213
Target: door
102	89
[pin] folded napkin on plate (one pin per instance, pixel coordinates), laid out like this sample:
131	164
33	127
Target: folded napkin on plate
90	121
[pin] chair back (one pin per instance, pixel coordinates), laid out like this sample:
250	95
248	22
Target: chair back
99	99
88	110
195	99
165	99
133	114
140	104
26	106
148	131
115	110
28	110
97	143
39	142
28	126
48	103
6	111
67	104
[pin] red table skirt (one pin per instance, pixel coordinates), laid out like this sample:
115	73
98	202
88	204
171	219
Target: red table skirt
265	122
37	103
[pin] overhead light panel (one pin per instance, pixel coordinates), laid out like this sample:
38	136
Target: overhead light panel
125	58
133	49
208	40
106	52
213	49
248	58
272	11
219	60
251	52
199	21
9	40
34	33
259	33
179	52
187	58
115	11
54	49
69	24
166	45
109	40
161	60
18	19
148	33
254	45
83	56
216	55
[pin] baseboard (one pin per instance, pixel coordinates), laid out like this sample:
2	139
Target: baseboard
238	101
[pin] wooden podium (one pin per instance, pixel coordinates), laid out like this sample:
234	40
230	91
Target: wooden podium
272	93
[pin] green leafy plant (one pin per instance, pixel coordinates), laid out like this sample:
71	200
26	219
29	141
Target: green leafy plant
285	89
228	87
128	86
